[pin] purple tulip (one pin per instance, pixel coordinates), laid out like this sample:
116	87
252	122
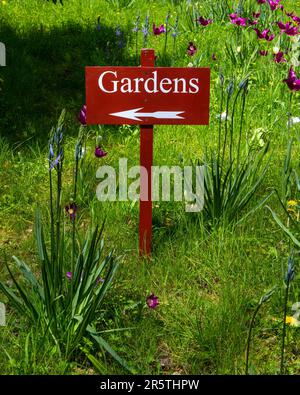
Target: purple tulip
99	153
274	4
236	20
152	301
292	82
192	49
204	22
279	58
263	53
261	1
82	115
256	15
71	210
213	56
69	275
158	30
264	34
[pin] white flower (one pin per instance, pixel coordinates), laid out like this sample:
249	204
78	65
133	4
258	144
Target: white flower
293	121
190	65
238	49
276	50
223	116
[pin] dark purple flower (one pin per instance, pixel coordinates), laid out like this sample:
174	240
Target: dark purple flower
292	82
192	49
256	15
279	58
82	115
204	22
261	1
252	23
69	275
213	56
152	301
283	26
264	34
158	30
99	153
71	210
100	280
263	53
292	31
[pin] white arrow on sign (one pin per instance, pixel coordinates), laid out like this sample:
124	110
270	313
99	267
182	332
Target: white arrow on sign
135	115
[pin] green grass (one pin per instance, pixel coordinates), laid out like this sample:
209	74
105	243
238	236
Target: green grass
208	283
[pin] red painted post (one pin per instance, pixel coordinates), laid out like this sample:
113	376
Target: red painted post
146	160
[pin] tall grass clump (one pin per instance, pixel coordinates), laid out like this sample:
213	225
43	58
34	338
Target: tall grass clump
232	173
63	297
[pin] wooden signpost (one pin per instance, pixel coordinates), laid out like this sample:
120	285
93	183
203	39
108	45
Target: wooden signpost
147	96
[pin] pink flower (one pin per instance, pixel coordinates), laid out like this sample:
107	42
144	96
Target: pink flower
69	275
204	22
278	58
192	49
236	20
152	301
158	30
292	82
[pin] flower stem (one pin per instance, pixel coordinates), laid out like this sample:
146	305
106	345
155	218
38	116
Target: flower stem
284	327
249	338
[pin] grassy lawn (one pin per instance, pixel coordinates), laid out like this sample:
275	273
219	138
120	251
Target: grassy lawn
209	277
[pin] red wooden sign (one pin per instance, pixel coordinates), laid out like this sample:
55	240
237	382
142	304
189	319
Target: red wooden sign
147	95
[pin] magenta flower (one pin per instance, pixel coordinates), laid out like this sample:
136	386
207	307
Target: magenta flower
158	30
292	82
294	17
82	115
69	275
292	31
204	22
263	53
256	15
236	20
71	210
192	49
264	34
287	28
99	153
152	301
279	58
274	4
